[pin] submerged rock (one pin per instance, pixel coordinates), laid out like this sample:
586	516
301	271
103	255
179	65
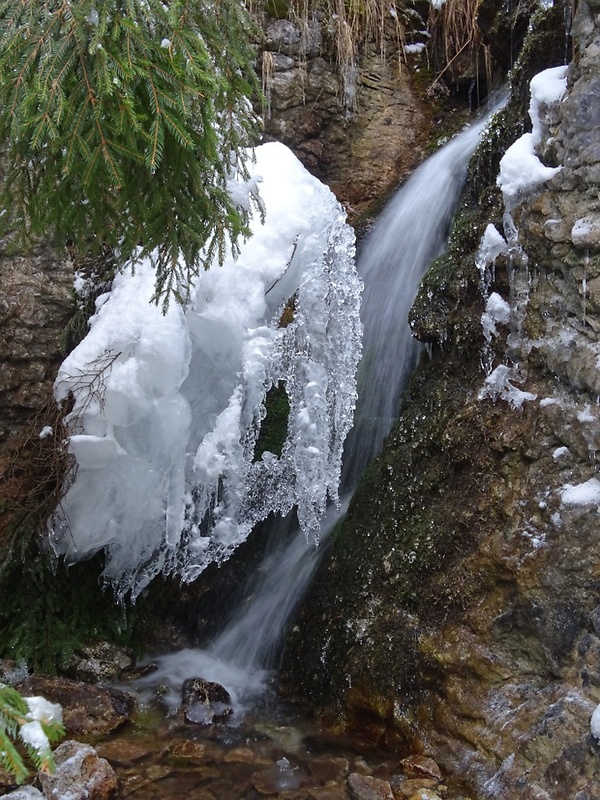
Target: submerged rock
365	787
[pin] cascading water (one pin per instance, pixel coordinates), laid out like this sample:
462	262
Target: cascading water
253	633
409	234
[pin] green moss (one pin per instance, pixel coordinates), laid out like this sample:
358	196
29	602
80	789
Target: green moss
48	611
450	289
417	513
278	9
274	427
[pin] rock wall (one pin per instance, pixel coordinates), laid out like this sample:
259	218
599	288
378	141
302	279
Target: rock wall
36	302
361	129
458	612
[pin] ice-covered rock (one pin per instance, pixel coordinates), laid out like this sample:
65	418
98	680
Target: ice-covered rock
521	170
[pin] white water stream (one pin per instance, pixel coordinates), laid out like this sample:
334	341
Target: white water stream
405	239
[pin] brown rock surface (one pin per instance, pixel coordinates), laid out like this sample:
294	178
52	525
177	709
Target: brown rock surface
361	145
88	710
36	301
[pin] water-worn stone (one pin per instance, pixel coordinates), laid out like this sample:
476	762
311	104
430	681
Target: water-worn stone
365	787
204	702
329	769
124	753
80	774
100	661
585	233
405	788
25	793
187	752
332	792
416	766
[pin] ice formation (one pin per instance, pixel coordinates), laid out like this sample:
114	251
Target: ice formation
499	383
491	246
168	407
497	310
521	172
581	493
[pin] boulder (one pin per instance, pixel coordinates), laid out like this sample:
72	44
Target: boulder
80	774
100	661
204	702
88	710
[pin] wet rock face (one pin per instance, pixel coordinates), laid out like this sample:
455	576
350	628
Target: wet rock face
36	303
361	132
458	613
100	662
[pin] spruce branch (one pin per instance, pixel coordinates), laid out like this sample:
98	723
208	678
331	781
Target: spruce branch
28	719
115	112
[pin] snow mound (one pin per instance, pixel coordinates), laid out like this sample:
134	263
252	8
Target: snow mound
581	493
521	171
168	407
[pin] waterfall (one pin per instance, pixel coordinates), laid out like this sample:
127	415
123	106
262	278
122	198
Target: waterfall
409	234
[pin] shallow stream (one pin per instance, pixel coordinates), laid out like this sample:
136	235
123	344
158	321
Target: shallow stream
275	752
